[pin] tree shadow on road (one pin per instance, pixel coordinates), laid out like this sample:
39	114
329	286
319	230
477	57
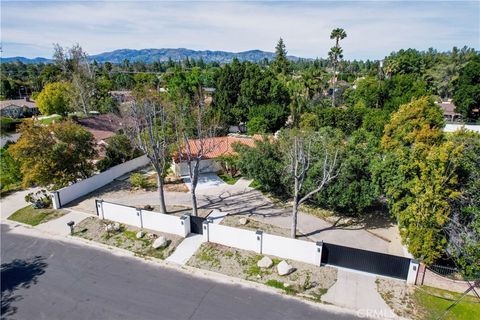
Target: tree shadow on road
15	275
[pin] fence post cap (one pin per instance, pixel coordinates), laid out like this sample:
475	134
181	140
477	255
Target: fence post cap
259	232
415	261
184	217
319	243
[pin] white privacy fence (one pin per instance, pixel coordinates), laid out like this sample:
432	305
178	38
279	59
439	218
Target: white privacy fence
263	243
143	218
84	187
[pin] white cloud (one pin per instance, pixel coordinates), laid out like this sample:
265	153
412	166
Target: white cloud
374	28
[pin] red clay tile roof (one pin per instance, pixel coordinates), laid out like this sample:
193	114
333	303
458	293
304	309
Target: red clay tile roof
219	146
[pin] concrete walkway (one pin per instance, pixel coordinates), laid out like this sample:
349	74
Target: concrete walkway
187	248
14	202
59	226
358	291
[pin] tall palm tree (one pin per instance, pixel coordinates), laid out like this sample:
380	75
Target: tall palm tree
335	54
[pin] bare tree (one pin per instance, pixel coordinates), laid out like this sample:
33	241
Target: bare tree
195	135
75	66
303	150
149	133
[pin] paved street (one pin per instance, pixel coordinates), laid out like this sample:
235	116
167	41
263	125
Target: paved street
50	279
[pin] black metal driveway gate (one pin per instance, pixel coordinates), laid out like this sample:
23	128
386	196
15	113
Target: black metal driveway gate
363	260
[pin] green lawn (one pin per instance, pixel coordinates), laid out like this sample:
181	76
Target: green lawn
33	217
50	119
229	179
433	303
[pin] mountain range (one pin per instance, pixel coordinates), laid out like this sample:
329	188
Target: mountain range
152	55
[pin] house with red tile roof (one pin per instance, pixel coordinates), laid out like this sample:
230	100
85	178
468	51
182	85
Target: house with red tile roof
213	149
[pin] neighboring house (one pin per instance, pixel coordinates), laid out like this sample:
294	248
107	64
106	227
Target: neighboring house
102	127
19	108
214	148
449	111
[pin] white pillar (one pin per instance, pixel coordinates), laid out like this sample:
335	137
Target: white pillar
140	219
259	240
185	222
412	271
99	204
318	253
206	230
55	200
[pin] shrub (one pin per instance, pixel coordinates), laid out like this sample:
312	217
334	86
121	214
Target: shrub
138	180
40	199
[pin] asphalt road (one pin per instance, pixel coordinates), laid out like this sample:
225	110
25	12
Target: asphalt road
49	279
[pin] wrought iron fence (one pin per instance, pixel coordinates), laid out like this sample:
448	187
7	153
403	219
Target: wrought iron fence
452	273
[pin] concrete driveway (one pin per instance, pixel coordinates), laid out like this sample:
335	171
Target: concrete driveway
14	201
205	181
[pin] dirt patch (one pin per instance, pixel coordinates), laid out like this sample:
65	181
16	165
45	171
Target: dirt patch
174	184
398	296
177	210
307	280
234	221
94	229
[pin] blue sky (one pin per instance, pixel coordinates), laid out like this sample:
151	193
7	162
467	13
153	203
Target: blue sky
374	28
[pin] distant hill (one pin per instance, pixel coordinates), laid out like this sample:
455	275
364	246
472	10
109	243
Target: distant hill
152	55
25	60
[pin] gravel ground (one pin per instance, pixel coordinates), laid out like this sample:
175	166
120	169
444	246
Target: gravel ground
398	296
94	229
252	224
307	280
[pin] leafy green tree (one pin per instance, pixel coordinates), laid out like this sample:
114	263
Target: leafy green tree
119	149
418	176
280	63
54	156
10	175
463	228
353	191
467	95
266	118
263	163
54	98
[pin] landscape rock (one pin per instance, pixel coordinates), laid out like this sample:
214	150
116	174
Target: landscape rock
160	242
139	235
116	226
283	268
265	262
243	221
151	236
108	227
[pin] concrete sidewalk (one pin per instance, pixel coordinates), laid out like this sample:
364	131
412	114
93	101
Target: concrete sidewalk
59	226
358	291
187	248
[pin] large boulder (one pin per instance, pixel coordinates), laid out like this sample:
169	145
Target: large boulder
283	268
160	242
243	221
116	226
265	262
